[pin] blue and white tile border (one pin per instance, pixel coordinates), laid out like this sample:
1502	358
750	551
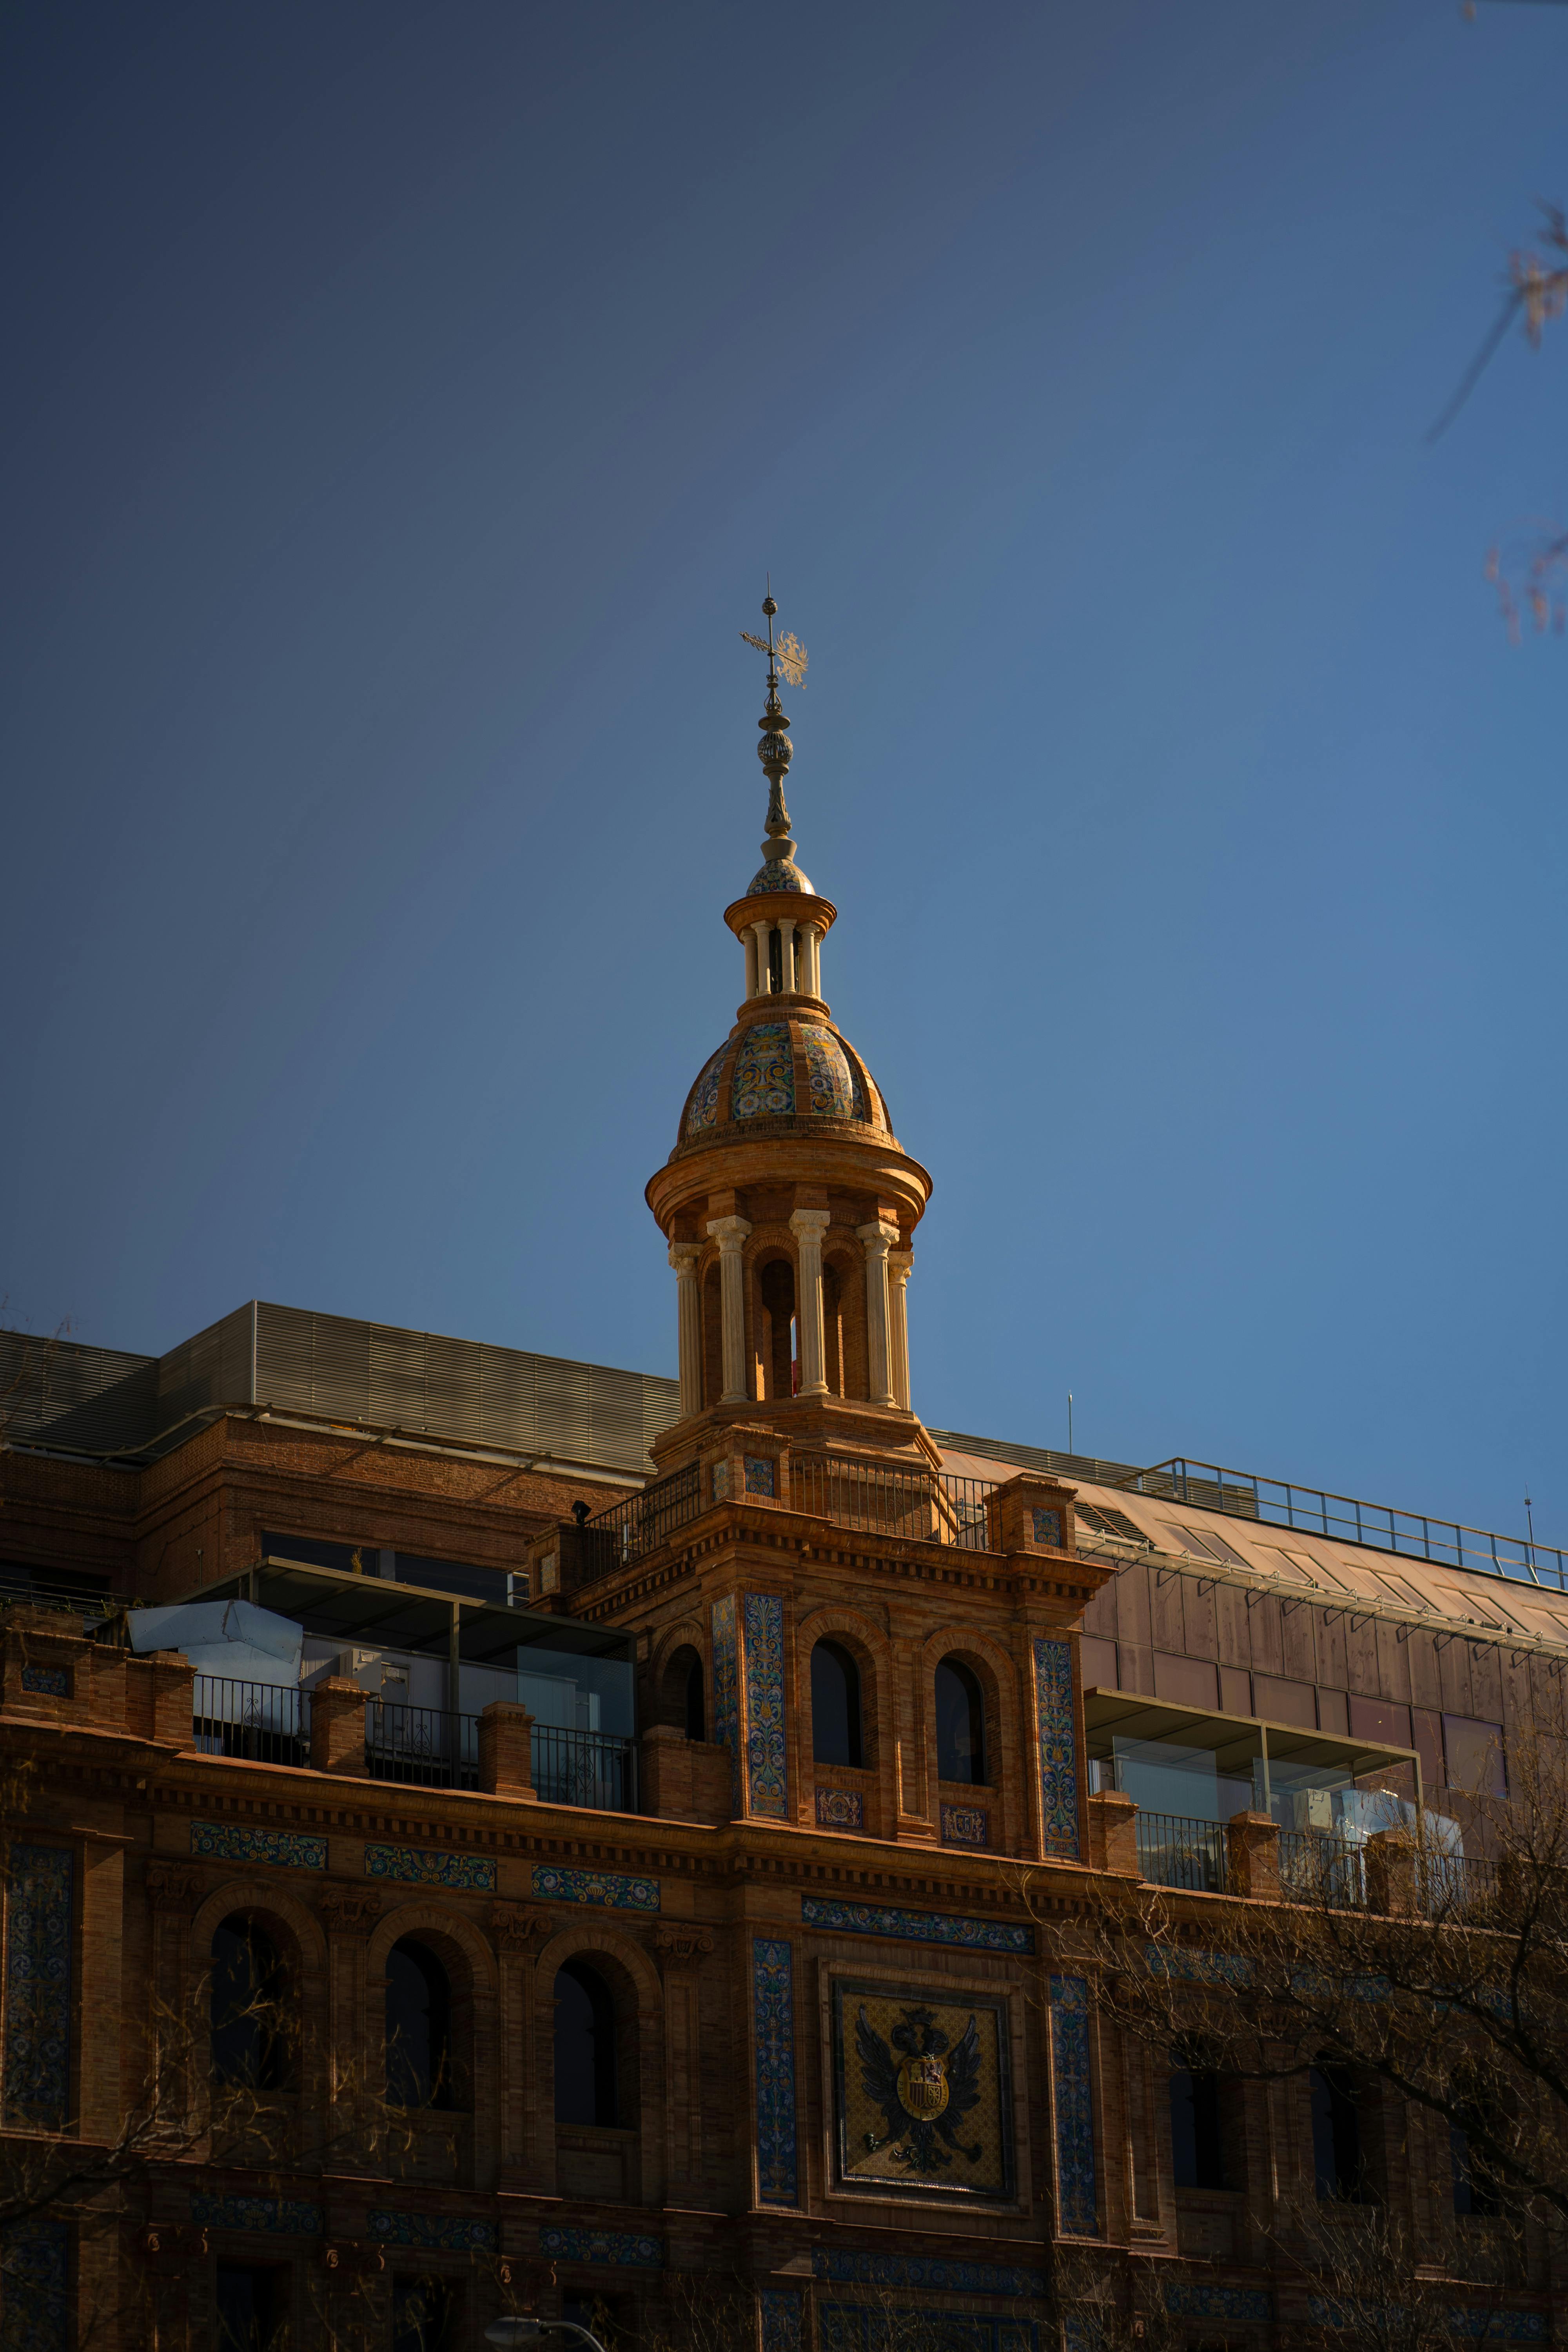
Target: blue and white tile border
232	1841
1072	2095
772	2004
412	1865
1057	1735
561	2242
916	1927
609	1890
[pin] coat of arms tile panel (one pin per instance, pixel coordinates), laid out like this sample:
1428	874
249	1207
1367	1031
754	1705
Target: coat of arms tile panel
923	2092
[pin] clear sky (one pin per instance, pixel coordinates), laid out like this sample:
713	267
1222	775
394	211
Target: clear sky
403	403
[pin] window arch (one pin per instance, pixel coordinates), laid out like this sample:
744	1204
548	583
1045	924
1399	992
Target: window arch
419	2072
588	2090
836	1735
682	1692
249	1991
960	1723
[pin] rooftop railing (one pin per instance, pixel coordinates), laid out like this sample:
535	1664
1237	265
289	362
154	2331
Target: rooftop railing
629	1530
585	1768
1314	1510
423	1747
264	1723
926	1506
1174	1850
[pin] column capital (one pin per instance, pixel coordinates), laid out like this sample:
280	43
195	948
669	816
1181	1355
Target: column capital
683	1255
900	1264
805	1221
878	1237
728	1232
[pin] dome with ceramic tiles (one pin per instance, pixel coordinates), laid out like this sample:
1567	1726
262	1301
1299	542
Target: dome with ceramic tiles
798	1069
779	873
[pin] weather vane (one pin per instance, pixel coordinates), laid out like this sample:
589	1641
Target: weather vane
788	654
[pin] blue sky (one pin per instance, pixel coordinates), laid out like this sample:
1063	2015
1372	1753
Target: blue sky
408	402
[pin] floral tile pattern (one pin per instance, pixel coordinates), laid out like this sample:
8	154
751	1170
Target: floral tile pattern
827	1068
1059	1747
841	1809
762	1474
560	2244
965	1825
465	1874
36	2256
778	874
228	1842
1076	2197
1047	1528
772	1994
292	2217
40	1905
726	1690
763	1083
702	1109
766	1774
916	1927
608	1890
442	2232
782	2317
1185	2300
48	1682
847	2268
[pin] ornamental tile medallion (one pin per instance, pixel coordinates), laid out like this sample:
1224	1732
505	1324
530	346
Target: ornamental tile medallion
782	2317
916	1927
965	1825
828	1070
1047	1528
1076	2188
760	1476
703	1108
773	1996
922	2092
47	1682
766	1778
292	2217
763	1083
608	1890
229	1842
36	2311
847	2268
561	2244
465	1873
441	2233
840	1809
40	1914
1185	2300
1059	1747
726	1690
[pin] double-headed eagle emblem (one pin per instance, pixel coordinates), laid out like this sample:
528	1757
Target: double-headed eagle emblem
925	2093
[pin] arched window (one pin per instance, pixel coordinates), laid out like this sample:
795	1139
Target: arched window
1337	2158
960	1723
695	1720
776	1338
418	2029
834	1705
249	2014
585	2088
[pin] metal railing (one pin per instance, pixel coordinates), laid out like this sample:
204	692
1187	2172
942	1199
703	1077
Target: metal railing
585	1768
425	1746
1176	1851
629	1530
1315	1866
264	1723
926	1506
1314	1510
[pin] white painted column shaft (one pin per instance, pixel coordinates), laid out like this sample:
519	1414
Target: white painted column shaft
878	1240
729	1232
809	1225
683	1257
901	1265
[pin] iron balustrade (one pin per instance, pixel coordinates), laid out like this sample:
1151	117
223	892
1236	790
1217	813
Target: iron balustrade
425	1746
264	1723
1176	1851
1314	1510
585	1768
925	1506
1315	1866
629	1530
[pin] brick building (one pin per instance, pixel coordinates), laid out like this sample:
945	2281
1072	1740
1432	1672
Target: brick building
644	1817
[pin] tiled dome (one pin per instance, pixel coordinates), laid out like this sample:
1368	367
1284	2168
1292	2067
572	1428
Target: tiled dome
791	1069
779	873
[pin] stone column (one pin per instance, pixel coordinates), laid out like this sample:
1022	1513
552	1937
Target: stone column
812	939
809	1225
683	1257
878	1239
787	950
729	1232
749	942
900	1264
764	982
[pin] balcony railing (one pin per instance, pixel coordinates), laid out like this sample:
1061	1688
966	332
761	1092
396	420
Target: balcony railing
264	1723
629	1530
585	1768
1176	1851
425	1746
1315	1866
925	1506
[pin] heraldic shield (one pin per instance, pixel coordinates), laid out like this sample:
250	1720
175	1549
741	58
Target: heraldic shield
923	2092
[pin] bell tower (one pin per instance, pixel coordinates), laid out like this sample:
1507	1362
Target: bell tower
788	1203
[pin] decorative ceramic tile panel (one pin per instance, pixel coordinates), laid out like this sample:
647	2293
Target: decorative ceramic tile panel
846	2268
1076	2187
1059	1747
47	1682
827	1068
40	1905
841	1809
1047	1528
779	873
784	2317
965	1825
440	2233
1187	2300
1198	1968
857	1105
876	2327
560	2244
721	1482
766	1777
762	1474
726	1690
292	2217
1499	2327
763	1083
772	1993
702	1111
916	1927
608	1890
36	2311
228	1842
465	1873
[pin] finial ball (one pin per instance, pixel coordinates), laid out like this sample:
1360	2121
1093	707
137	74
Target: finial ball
769	607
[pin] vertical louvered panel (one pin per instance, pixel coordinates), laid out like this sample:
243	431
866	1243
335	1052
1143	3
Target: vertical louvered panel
510	1399
91	1399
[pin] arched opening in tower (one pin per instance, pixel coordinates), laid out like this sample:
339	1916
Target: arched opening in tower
777	1345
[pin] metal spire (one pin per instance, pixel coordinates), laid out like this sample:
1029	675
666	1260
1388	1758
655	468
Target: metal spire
775	750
